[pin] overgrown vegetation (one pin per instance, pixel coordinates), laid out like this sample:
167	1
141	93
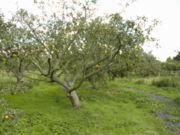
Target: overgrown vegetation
165	82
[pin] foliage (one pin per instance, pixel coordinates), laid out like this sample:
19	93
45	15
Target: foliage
74	47
165	82
177	57
171	66
148	65
8	84
125	63
77	46
14	48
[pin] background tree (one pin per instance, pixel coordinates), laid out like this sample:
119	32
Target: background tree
177	57
14	48
172	65
126	62
147	65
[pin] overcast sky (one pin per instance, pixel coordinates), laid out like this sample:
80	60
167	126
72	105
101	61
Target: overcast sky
166	11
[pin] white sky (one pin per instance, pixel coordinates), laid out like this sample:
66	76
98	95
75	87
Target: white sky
166	11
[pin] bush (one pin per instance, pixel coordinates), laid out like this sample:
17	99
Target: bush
141	81
165	82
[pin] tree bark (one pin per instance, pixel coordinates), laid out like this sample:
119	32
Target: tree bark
18	79
72	95
74	99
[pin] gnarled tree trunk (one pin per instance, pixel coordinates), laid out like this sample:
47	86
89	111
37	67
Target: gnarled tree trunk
72	95
74	99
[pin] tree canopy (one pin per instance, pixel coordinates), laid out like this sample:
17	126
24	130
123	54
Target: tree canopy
74	47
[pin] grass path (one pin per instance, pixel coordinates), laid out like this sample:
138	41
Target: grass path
164	115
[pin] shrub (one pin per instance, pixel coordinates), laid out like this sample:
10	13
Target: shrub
165	82
141	81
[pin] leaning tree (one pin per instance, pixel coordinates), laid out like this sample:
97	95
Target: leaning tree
73	48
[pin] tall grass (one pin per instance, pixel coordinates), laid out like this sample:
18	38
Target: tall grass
165	82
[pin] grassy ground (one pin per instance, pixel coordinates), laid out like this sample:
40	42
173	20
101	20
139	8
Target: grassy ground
146	84
111	110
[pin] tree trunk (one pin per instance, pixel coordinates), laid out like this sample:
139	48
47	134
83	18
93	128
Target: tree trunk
71	95
74	99
18	79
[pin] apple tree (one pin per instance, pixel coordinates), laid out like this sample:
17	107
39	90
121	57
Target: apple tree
72	49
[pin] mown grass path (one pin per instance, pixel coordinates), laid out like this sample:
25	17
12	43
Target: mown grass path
164	115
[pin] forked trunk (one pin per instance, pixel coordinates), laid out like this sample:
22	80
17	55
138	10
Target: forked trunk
74	99
71	95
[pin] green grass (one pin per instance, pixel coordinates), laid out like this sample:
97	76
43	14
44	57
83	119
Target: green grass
146	84
169	92
44	109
